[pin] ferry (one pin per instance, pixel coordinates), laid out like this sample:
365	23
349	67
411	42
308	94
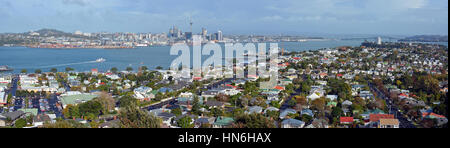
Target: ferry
101	60
5	68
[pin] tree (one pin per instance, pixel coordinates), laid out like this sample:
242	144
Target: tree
144	68
318	104
253	121
133	117
107	102
159	68
336	112
129	69
29	119
20	123
177	111
114	70
91	108
68	69
54	70
196	106
23	71
71	111
185	122
292	102
64	124
216	112
301	100
38	71
306	118
275	104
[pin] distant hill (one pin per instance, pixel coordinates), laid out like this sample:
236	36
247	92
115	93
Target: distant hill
52	32
425	38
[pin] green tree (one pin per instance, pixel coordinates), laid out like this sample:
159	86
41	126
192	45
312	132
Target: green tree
23	71
336	112
216	112
68	69
185	122
196	106
38	71
71	111
129	69
159	68
20	123
64	124
54	70
114	70
90	108
253	121
144	68
126	101
306	118
133	117
177	111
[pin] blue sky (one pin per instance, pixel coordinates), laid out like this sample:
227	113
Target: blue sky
388	17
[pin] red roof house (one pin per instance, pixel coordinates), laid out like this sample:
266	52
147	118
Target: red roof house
377	117
346	120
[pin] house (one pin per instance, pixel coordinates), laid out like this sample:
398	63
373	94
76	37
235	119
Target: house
318	123
215	104
111	124
332	97
388	123
254	110
286	112
271	109
3	98
313	96
13	116
440	118
307	112
346	120
2	121
375	118
204	121
292	123
223	122
74	98
143	93
166	117
40	119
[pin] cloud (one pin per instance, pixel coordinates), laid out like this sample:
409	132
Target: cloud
76	2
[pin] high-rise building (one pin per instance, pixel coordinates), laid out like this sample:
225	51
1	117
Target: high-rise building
219	35
204	32
379	41
188	35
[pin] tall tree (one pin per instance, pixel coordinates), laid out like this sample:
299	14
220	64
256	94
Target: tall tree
133	117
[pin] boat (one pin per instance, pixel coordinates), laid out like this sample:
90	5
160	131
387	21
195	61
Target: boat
101	60
5	68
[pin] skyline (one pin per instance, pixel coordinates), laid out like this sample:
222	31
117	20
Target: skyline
291	17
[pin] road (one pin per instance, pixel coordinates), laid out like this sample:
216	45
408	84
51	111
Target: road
170	101
393	109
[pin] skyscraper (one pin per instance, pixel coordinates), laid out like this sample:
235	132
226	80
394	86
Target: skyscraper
219	35
204	32
379	41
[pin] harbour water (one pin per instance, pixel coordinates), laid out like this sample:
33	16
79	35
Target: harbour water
81	60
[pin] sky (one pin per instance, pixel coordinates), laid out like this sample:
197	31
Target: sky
385	17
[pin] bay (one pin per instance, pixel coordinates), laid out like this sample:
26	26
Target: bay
82	60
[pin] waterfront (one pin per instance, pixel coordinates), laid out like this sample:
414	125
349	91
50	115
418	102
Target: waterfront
31	59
